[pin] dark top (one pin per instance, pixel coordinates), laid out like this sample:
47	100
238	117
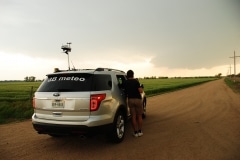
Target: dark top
131	88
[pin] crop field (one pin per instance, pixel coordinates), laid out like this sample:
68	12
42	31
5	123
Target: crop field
16	100
158	86
16	97
17	91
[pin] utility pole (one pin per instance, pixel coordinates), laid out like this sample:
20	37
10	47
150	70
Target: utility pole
230	69
234	57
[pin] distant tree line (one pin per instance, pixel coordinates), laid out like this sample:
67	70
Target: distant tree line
30	79
154	77
218	75
232	75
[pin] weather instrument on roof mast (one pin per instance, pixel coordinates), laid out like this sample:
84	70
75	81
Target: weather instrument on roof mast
66	48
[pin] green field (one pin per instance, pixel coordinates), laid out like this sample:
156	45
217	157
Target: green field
17	91
158	86
16	97
16	100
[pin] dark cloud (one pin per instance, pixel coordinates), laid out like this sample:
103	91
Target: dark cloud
177	34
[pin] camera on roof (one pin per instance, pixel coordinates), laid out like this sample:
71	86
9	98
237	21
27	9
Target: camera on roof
66	48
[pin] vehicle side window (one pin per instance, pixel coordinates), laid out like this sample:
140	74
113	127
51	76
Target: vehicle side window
121	79
101	82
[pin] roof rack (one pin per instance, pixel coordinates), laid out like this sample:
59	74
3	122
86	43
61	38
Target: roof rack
108	69
58	70
97	69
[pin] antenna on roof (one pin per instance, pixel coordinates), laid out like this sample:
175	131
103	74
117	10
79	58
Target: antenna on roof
66	49
73	66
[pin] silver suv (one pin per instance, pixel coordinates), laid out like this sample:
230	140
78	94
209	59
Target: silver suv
82	102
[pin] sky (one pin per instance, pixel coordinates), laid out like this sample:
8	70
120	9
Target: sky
162	38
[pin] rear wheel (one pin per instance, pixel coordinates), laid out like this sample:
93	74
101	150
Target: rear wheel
117	131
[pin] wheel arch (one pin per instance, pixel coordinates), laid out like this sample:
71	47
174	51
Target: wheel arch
123	109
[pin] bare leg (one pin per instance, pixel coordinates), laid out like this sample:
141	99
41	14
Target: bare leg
134	122
139	121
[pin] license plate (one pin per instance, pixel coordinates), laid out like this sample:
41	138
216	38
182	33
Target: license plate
58	103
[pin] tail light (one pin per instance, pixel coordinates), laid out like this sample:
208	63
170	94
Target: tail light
33	103
96	100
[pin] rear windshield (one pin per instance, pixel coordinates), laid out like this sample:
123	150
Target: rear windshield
76	82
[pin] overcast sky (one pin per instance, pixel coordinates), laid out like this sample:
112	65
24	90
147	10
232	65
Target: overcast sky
152	37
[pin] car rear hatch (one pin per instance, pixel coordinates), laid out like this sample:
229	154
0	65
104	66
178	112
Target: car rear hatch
67	106
66	96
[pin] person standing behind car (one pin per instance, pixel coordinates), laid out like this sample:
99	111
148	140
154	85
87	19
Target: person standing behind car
133	92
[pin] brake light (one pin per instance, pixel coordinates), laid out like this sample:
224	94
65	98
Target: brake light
33	103
96	100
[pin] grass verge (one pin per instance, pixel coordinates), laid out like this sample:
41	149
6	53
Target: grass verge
18	111
233	83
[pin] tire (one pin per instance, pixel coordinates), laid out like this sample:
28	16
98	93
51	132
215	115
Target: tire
117	131
144	109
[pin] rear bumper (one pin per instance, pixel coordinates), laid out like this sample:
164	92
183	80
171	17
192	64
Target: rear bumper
57	129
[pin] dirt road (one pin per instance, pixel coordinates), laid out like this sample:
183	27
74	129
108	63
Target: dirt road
198	123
